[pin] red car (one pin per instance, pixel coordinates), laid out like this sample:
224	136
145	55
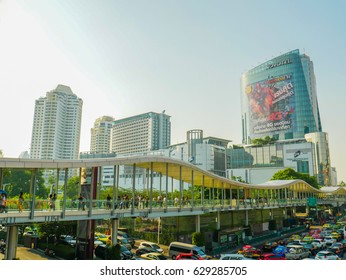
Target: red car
271	256
188	256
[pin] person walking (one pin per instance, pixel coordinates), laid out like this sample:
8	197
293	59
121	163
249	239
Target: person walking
81	203
53	201
50	202
20	202
4	203
108	202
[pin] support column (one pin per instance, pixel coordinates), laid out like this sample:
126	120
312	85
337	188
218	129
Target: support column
11	242
180	187
33	197
166	187
198	223
203	191
151	187
115	224
1	177
192	190
218	222
115	194
133	188
246	217
57	181
64	197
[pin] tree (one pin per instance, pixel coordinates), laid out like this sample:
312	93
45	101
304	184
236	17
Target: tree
198	239
56	228
263	141
72	187
238	179
17	180
291	174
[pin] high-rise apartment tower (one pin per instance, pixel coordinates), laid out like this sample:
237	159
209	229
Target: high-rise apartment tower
101	135
141	133
57	125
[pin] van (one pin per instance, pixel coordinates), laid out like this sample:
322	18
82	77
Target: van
176	248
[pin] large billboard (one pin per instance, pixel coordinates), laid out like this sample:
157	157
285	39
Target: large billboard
271	105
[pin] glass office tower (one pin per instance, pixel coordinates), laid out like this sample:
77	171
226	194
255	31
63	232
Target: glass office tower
279	99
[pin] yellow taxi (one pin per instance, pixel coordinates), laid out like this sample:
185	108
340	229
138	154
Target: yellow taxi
335	235
308	239
103	237
295	237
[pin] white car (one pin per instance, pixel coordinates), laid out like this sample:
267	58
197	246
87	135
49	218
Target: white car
329	240
233	257
326	255
319	243
68	239
152	245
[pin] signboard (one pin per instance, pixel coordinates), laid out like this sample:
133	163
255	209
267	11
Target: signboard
271	105
311	201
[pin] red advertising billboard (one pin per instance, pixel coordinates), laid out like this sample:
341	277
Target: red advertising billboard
271	105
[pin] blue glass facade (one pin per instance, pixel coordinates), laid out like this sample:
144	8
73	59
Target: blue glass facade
279	99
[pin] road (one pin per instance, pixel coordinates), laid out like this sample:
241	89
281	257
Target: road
24	253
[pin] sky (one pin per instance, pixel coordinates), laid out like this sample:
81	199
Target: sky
186	57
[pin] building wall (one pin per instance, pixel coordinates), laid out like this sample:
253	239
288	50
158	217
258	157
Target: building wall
258	164
279	100
101	135
141	133
57	125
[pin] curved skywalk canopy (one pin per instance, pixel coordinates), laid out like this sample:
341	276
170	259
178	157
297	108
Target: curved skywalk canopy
174	168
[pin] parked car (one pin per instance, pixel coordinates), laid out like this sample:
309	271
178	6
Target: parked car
307	239
329	240
151	245
337	248
144	250
97	241
153	256
280	251
250	252
319	243
176	248
234	257
296	252
124	234
68	240
326	255
188	256
271	256
312	248
103	237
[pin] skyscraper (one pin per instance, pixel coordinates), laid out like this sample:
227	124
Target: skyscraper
279	99
57	125
141	133
101	135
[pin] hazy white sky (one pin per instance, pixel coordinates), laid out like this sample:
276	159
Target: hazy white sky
186	57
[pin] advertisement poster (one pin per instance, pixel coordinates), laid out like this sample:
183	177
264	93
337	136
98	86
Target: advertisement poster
271	104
